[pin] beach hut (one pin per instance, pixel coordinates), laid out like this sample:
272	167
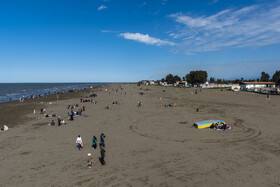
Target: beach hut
207	124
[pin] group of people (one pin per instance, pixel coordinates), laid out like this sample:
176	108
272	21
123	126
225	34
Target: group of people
116	103
80	145
220	126
79	112
168	105
72	106
59	122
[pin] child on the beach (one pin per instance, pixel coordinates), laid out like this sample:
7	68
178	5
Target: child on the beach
89	161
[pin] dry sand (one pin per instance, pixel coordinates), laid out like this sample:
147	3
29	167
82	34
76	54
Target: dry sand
146	146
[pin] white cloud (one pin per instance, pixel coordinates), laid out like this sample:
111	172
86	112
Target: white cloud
102	7
145	38
252	26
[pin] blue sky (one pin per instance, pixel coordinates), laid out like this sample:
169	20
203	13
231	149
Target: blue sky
125	40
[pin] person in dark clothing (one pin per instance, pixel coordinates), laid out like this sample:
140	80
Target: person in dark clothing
94	142
102	153
72	117
102	140
59	121
52	123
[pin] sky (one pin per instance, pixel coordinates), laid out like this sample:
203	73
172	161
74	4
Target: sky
133	40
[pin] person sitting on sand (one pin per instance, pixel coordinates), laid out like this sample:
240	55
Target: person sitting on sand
79	142
94	142
63	122
5	128
89	161
52	123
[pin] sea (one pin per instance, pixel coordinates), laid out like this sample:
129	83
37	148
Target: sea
15	91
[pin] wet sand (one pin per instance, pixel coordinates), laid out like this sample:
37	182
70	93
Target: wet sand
147	146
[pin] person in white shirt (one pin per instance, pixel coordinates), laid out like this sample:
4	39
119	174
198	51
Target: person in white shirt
5	128
79	142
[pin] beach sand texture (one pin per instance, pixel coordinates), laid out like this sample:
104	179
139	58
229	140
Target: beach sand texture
151	145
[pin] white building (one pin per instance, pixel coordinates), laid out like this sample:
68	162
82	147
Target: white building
252	85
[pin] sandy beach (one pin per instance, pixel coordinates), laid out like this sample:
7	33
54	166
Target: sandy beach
151	145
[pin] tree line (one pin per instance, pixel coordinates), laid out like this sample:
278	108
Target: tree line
200	77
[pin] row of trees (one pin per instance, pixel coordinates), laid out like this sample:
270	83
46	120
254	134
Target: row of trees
200	77
194	77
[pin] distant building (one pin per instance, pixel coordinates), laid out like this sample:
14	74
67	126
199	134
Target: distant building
182	84
214	85
252	85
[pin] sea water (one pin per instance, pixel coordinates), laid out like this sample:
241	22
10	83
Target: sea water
14	91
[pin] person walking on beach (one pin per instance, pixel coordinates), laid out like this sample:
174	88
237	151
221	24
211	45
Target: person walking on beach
102	140
79	142
268	97
94	142
102	153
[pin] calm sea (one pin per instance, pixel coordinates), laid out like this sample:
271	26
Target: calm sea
14	91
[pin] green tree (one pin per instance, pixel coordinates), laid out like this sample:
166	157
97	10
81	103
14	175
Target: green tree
212	80
169	78
238	81
276	77
197	77
176	78
265	77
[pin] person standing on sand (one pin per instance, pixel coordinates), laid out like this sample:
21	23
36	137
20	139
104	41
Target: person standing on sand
79	142
102	153
102	140
94	142
268	97
58	121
